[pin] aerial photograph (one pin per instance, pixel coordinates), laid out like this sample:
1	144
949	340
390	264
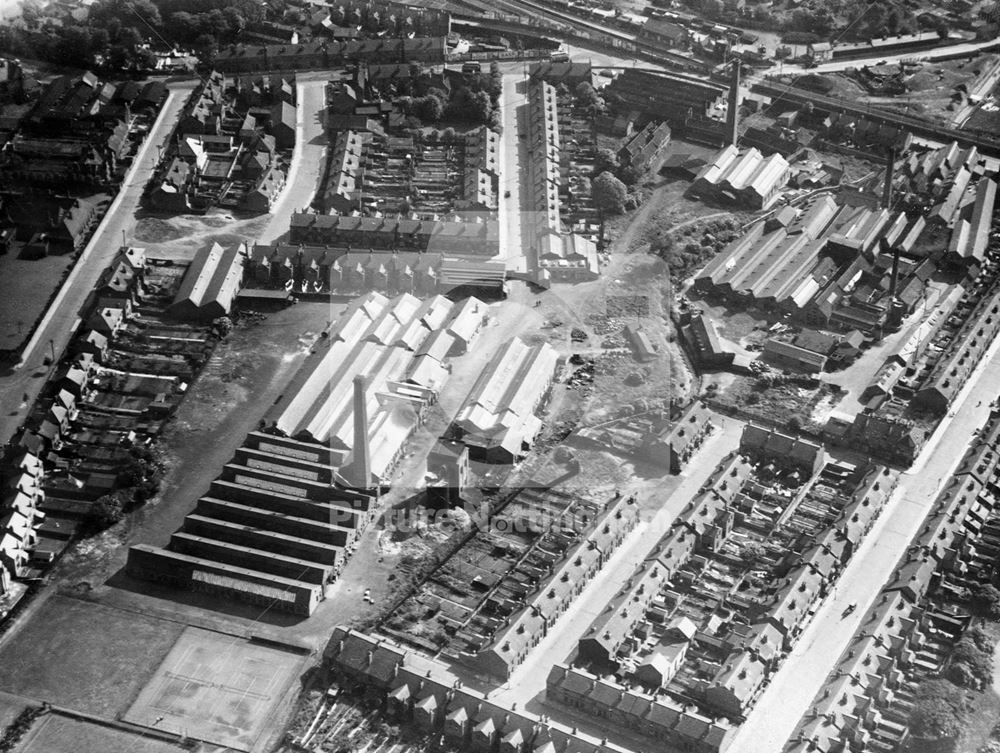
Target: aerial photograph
499	376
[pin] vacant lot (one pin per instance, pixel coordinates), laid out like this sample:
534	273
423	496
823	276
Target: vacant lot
10	707
53	733
84	656
26	285
216	687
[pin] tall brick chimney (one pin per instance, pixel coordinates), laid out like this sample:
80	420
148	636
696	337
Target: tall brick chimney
361	462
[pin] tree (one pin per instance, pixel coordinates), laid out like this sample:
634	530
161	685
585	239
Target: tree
605	160
962	675
429	109
934	718
984	600
108	510
75	46
146	10
629	175
980	638
480	107
609	193
751	553
206	48
586	95
979	662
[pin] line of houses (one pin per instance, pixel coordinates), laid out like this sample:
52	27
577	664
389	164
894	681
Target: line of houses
867	697
559	256
106	402
562	562
324	54
680	607
415	690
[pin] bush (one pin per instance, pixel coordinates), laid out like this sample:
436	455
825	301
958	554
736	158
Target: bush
962	675
980	639
984	600
108	510
935	718
979	663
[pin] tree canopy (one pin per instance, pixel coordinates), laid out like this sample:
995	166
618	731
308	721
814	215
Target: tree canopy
609	193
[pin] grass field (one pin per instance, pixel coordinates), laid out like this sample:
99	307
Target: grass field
26	285
84	656
217	688
54	733
10	707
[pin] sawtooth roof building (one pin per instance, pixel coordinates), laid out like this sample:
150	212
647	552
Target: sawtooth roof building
747	178
379	340
823	263
498	420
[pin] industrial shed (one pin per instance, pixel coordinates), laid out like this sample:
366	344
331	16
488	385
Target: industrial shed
498	421
210	284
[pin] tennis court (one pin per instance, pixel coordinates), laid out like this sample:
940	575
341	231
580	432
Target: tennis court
217	688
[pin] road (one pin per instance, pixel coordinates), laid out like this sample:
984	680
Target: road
795	685
56	327
308	157
980	88
958	49
513	170
528	680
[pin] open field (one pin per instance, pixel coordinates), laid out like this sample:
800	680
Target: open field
53	733
26	285
217	688
84	656
10	707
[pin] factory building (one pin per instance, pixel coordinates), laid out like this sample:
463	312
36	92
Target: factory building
210	284
382	341
498	421
827	264
274	528
746	178
280	520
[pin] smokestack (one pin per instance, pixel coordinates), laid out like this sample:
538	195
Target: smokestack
361	464
732	117
890	163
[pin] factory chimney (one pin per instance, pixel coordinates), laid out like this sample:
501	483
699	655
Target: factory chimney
895	318
361	463
733	115
890	163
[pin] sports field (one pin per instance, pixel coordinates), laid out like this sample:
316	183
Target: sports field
84	656
217	688
53	733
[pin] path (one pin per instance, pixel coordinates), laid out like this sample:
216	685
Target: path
308	159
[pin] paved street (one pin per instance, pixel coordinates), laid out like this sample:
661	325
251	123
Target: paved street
513	175
308	158
56	327
800	677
